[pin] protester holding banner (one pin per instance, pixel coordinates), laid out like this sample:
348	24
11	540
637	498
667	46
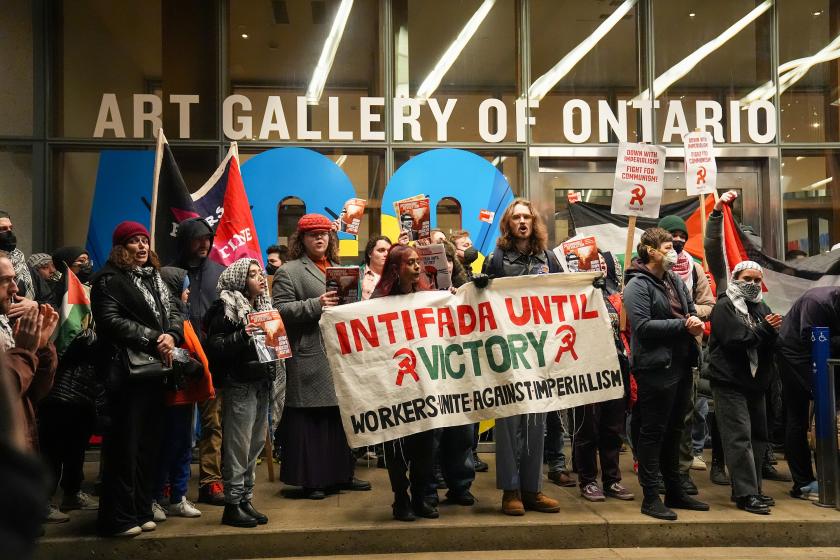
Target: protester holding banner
453	445
521	250
314	453
599	427
663	326
133	310
246	383
376	252
194	243
413	454
741	368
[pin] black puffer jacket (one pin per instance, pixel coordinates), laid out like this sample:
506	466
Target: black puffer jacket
654	331
230	351
731	338
124	319
76	381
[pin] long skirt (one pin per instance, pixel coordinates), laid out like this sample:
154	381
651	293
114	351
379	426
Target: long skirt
314	451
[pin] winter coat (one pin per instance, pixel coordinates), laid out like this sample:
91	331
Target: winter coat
731	337
203	277
76	381
231	352
713	247
655	332
124	319
297	286
30	377
817	307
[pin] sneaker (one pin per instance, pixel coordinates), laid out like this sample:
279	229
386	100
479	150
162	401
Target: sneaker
184	508
79	500
592	492
158	513
562	478
809	492
480	466
213	494
148	526
698	464
619	492
717	474
133	532
55	516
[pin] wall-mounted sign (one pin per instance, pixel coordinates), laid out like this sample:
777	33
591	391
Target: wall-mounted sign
582	121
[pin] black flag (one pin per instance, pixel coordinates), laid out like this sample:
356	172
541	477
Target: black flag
171	202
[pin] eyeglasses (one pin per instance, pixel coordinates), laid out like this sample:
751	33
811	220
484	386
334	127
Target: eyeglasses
317	234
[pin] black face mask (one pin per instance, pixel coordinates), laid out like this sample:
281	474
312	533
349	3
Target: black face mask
270	269
8	241
85	271
679	245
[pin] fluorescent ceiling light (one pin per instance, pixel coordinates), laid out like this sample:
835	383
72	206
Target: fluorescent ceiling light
432	81
547	81
818	184
322	70
793	71
687	64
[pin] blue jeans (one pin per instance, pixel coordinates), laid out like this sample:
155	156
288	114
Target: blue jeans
554	442
176	452
453	445
244	425
519	452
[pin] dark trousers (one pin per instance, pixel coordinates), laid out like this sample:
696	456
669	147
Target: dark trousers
413	455
130	451
599	428
797	402
661	418
717	444
742	421
64	430
176	452
554	457
453	447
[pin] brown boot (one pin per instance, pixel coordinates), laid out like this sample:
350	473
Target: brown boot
512	503
537	501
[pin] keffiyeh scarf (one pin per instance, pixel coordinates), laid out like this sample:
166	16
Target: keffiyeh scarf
735	290
231	289
138	275
22	276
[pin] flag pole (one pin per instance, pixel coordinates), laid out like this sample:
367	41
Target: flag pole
628	254
161	140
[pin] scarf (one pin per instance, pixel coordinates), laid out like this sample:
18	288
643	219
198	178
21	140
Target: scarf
22	276
138	275
684	267
231	288
7	335
739	299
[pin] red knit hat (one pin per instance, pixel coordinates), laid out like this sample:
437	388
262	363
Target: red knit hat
127	230
314	222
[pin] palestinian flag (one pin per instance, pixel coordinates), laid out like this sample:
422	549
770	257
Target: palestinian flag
171	202
610	230
75	312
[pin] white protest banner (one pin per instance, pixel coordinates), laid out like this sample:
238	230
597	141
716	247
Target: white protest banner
405	364
639	179
700	166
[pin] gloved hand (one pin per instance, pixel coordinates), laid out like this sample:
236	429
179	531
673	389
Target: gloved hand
481	280
599	282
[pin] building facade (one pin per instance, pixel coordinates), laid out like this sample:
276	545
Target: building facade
542	89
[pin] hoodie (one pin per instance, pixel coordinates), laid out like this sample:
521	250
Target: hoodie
655	334
203	277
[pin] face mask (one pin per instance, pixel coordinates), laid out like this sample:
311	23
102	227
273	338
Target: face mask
750	290
669	259
679	245
271	269
8	241
85	271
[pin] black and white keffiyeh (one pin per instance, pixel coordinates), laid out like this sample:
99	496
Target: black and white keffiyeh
22	276
231	289
740	293
138	275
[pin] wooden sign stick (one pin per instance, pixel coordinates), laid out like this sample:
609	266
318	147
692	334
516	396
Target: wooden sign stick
628	255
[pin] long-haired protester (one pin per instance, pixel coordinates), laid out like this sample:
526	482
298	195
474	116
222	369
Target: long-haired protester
740	368
521	250
314	450
415	453
663	324
245	381
137	320
376	251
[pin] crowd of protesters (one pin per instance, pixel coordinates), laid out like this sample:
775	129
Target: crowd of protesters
171	347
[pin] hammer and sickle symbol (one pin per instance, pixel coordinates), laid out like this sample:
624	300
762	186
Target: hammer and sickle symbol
638	194
407	365
567	336
701	175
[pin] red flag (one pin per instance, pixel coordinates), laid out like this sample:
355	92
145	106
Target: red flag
236	236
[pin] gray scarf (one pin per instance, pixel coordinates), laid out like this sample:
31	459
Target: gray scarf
231	288
137	276
22	275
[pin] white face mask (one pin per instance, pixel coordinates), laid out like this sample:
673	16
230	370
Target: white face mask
669	259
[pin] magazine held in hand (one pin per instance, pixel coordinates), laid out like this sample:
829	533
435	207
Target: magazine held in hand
273	344
351	215
434	266
414	216
344	280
